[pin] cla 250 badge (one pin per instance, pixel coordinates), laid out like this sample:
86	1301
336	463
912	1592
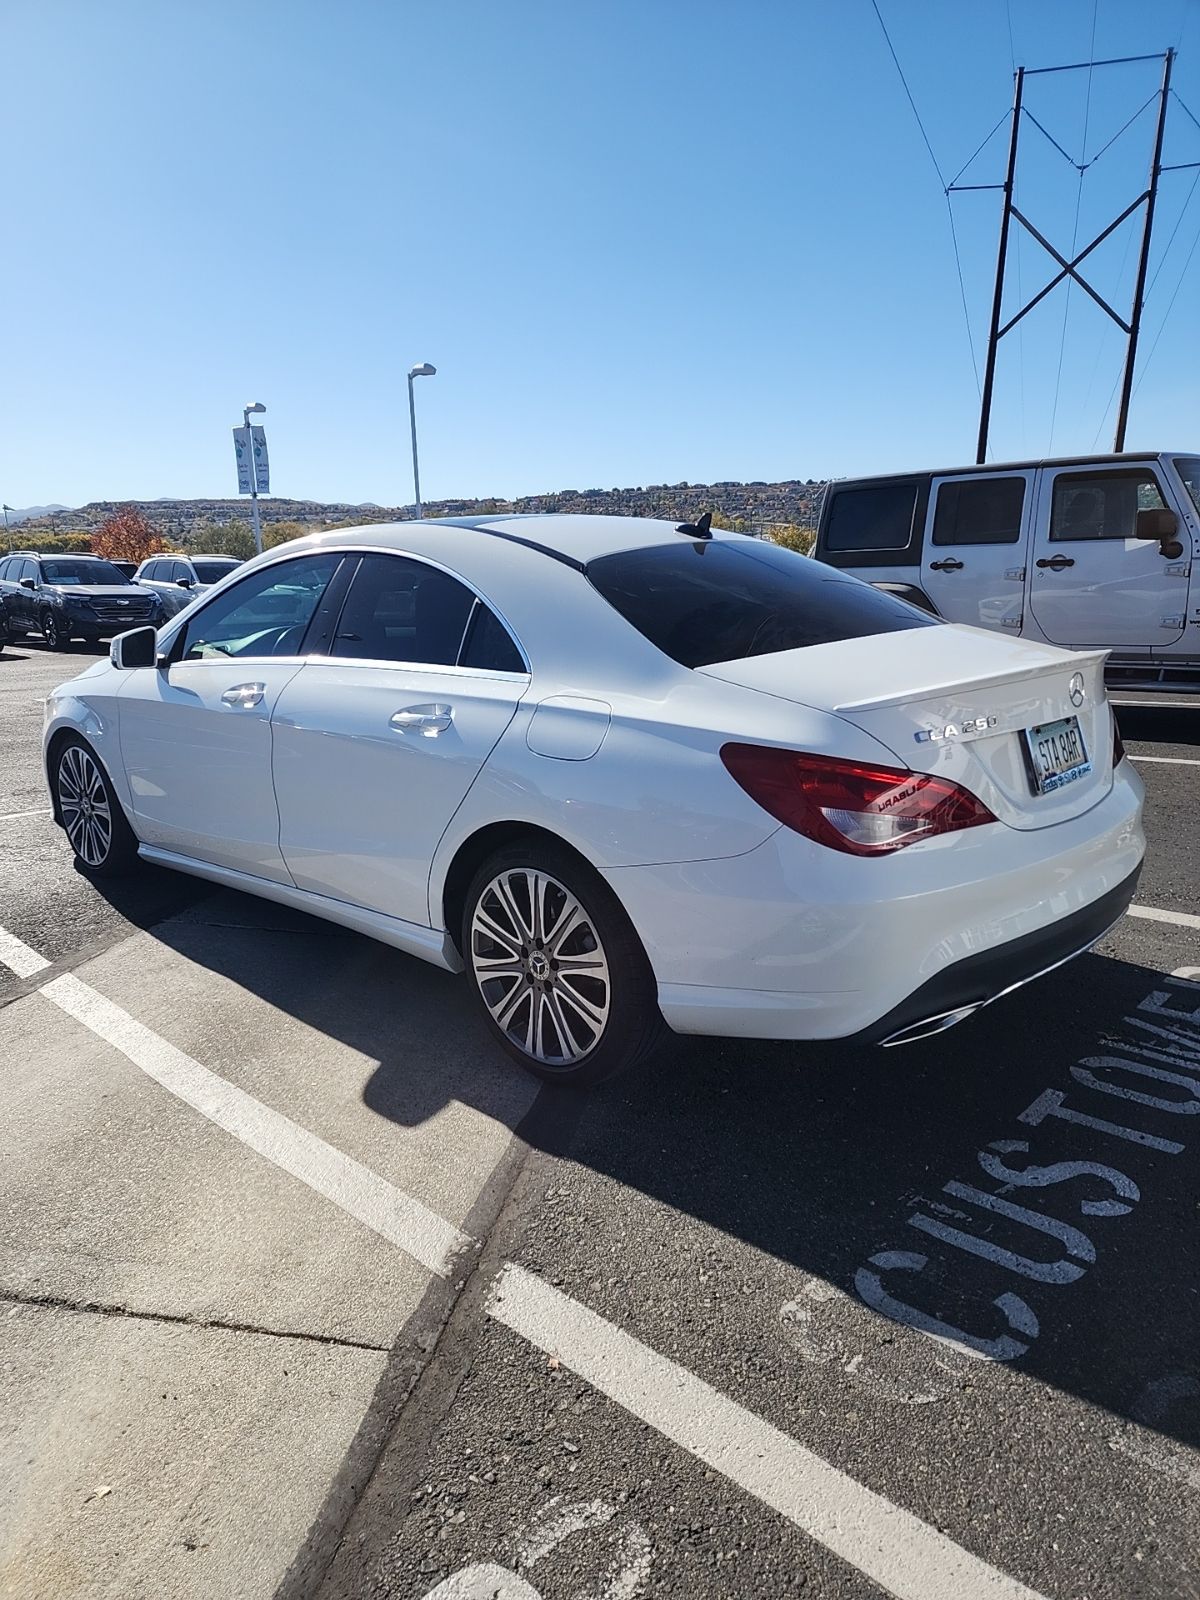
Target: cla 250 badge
954	730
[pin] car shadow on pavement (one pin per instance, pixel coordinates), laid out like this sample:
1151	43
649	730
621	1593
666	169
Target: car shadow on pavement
820	1157
1161	724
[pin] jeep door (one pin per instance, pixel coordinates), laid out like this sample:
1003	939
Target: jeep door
974	554
1093	580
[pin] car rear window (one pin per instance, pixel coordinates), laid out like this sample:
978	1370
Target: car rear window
725	599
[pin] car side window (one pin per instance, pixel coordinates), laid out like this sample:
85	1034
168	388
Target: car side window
4	566
489	646
1102	505
878	517
267	614
401	610
979	511
31	570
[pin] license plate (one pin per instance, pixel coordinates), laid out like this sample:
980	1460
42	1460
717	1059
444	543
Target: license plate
1056	754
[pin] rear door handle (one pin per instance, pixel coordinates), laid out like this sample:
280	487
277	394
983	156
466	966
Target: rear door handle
245	695
948	565
429	720
1057	563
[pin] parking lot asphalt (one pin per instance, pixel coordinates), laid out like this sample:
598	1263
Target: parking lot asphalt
307	1293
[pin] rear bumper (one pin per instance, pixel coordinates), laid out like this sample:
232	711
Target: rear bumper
985	977
794	941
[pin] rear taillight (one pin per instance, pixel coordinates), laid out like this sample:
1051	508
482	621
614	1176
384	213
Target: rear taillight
848	805
1118	745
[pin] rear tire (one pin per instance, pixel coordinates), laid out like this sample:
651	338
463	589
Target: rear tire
95	825
556	966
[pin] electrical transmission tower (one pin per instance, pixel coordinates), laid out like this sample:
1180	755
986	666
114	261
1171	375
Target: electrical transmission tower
1069	269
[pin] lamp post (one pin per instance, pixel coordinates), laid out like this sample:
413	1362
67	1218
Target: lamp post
247	411
422	371
7	535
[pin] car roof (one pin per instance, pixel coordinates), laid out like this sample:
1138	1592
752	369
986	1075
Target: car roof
208	555
575	538
1131	458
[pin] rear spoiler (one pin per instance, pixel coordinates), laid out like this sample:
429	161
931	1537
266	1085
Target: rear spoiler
1090	658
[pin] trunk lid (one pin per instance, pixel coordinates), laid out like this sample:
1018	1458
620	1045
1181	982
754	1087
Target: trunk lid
955	701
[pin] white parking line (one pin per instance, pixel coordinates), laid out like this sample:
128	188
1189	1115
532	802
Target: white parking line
1165	761
46	811
17	956
1184	919
898	1551
428	1238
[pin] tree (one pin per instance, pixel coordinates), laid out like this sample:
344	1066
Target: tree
792	537
223	539
126	536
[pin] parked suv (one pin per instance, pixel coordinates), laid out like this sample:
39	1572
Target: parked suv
177	580
72	597
1083	552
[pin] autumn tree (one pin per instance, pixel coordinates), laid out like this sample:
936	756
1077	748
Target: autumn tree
126	536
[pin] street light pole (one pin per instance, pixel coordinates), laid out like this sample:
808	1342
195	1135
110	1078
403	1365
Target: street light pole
7	535
424	370
256	408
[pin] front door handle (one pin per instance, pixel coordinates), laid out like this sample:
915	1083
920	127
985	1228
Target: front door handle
245	696
427	720
1057	563
950	564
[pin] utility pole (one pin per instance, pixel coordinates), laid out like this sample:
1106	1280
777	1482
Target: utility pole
1139	293
1069	269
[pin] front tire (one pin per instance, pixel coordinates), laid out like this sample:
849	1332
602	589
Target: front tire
55	635
557	968
103	842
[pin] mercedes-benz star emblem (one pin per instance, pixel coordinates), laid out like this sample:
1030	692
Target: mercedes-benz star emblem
1077	691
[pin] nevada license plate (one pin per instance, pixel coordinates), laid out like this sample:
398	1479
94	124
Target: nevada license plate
1056	754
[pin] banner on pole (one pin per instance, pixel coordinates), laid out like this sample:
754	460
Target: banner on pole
245	464
262	466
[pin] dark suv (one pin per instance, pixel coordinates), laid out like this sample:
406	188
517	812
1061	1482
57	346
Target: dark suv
72	597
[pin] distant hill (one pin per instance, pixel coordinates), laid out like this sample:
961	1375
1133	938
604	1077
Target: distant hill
757	506
26	513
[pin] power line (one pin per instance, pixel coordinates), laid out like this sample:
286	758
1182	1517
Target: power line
891	47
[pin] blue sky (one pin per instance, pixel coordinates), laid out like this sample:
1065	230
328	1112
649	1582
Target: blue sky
642	240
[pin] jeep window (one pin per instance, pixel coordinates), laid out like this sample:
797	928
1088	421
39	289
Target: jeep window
979	511
726	599
1102	505
1188	468
878	518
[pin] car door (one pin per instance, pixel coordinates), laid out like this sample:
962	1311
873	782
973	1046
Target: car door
26	599
1093	580
974	552
195	732
376	744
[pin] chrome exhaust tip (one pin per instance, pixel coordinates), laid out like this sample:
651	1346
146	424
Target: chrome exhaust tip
928	1026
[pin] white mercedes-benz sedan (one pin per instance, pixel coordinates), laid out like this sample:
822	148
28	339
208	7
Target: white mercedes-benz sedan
621	772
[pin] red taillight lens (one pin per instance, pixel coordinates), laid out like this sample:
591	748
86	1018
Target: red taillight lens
848	805
1118	744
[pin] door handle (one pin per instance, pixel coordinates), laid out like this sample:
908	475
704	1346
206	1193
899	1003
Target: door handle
1057	563
427	720
948	565
245	696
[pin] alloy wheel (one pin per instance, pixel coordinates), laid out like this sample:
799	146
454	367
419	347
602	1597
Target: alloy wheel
50	630
541	968
86	813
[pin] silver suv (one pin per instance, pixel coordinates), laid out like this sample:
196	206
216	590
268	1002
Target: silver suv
177	580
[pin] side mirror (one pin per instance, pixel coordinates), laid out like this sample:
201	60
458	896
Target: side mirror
133	649
28	583
184	583
1160	525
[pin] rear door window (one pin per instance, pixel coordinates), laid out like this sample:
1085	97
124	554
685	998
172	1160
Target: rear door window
1102	505
401	610
727	599
979	511
879	517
